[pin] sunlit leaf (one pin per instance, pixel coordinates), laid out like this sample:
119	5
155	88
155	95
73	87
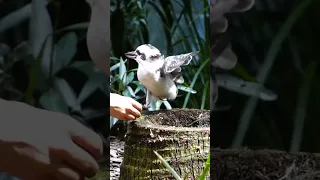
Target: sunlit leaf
122	74
114	67
186	89
126	93
131	91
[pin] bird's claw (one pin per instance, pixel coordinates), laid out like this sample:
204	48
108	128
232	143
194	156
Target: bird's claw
146	106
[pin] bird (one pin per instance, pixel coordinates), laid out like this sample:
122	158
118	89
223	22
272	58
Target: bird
159	75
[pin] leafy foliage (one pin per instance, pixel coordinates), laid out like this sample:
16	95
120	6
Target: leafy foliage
182	29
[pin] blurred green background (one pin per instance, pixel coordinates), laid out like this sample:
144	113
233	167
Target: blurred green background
279	38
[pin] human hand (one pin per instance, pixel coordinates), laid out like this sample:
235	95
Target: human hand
124	108
36	144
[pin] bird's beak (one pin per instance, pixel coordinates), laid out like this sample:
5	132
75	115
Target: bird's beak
131	55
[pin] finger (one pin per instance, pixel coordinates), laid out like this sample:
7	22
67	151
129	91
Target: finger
87	139
67	173
134	112
78	158
130	117
46	177
40	177
137	105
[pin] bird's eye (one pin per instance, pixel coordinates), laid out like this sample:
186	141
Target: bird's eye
155	56
138	52
143	57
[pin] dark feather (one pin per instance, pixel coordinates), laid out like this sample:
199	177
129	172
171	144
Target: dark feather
176	75
172	63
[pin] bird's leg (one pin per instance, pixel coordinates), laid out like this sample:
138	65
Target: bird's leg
158	104
148	99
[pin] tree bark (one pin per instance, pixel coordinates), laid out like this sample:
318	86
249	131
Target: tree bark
180	136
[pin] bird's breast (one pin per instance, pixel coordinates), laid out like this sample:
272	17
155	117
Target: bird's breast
161	87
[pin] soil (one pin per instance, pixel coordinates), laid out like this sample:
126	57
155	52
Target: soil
230	164
116	157
179	118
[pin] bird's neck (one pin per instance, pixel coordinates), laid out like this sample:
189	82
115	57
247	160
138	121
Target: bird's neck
151	65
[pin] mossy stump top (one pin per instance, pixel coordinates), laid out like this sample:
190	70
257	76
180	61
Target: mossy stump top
180	136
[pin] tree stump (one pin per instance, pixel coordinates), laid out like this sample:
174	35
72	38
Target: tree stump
230	164
180	136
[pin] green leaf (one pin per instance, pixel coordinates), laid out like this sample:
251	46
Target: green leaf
139	4
263	74
204	95
139	86
130	77
53	101
302	107
68	94
34	73
17	17
166	164
114	67
206	169
131	91
203	65
126	93
114	58
78	26
87	67
186	89
65	50
122	74
238	85
91	85
40	30
143	21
